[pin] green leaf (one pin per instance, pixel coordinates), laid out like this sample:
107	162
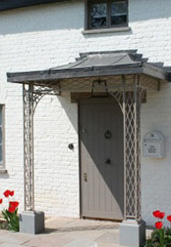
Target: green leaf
12	219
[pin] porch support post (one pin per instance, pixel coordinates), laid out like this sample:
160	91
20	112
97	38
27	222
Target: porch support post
30	220
132	230
28	147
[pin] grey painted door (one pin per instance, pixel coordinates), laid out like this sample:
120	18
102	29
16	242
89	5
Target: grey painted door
101	146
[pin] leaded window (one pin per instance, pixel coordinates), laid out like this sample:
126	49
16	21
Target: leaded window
107	14
2	162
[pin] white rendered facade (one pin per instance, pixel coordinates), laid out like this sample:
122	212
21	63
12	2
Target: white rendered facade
38	38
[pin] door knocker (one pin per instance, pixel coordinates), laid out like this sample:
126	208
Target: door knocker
108	134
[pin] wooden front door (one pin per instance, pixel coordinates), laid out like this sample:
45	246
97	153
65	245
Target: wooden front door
102	158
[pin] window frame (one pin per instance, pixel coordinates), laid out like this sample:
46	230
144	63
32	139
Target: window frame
2	164
108	18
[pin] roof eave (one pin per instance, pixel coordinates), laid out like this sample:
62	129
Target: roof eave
69	74
93	71
156	72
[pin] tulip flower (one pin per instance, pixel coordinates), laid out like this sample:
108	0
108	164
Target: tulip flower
11	209
156	213
158	224
11	193
14	204
161	215
169	218
7	193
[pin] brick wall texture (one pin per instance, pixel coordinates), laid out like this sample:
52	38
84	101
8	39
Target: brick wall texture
47	36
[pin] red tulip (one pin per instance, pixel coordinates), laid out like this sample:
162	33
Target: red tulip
159	224
156	213
11	209
11	193
169	218
7	193
14	204
161	215
1	201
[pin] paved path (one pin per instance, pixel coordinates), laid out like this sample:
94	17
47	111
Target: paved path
66	232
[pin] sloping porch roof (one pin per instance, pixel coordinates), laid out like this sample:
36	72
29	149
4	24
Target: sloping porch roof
97	64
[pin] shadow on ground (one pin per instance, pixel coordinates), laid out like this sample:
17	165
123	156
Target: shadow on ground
78	229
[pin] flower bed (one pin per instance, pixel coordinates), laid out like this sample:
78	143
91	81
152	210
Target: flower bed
161	236
10	214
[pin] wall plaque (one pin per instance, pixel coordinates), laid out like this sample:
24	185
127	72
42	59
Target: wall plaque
153	145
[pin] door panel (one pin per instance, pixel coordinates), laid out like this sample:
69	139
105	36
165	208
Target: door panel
101	146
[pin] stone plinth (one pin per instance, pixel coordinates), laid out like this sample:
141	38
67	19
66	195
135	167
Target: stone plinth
132	233
32	222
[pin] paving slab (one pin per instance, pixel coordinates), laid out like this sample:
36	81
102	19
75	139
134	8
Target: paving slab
48	241
3	232
91	224
16	238
79	243
65	225
88	235
107	245
57	223
109	237
9	245
66	232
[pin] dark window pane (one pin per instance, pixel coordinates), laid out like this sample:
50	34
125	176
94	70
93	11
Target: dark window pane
119	11
118	20
98	15
119	8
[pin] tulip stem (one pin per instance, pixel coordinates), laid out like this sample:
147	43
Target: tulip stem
161	233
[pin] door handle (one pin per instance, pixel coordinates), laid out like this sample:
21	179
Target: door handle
85	177
108	162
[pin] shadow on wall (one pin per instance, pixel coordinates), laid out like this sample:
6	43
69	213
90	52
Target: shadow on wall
4	176
57	16
67	16
145	10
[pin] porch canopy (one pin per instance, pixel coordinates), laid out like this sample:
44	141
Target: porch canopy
124	75
95	64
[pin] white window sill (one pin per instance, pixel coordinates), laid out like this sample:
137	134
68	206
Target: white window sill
107	30
3	171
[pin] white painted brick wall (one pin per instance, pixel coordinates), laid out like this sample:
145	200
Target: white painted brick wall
47	36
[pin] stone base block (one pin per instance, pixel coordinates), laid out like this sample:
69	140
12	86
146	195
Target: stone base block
31	222
132	233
